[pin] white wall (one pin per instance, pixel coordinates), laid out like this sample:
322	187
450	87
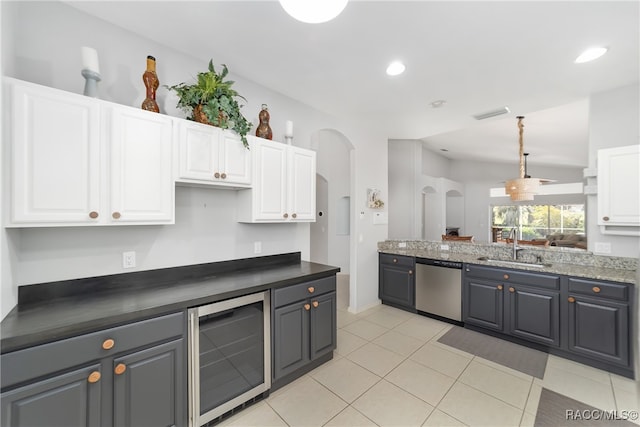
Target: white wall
614	121
45	49
405	164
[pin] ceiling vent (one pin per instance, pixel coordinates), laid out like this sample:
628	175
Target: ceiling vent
499	111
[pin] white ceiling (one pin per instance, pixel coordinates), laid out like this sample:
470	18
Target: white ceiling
476	55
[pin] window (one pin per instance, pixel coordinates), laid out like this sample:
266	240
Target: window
537	221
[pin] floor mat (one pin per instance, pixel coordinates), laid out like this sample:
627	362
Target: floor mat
557	410
529	361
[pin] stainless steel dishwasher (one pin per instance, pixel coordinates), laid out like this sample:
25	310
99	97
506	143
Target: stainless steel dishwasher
439	288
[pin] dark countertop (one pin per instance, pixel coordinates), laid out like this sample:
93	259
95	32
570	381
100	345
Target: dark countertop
575	270
107	301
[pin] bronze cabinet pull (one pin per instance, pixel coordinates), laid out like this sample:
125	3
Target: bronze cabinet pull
596	289
223	175
512	289
307	307
311	289
506	277
315	304
93	214
499	287
116	215
216	175
571	299
294	216
395	260
286	215
108	344
605	218
410	272
94	377
120	368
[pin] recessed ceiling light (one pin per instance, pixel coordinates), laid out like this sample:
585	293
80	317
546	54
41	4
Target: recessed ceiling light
313	11
591	54
395	68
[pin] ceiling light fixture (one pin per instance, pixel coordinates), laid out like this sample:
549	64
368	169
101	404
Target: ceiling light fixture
591	54
524	187
313	11
439	103
499	111
395	68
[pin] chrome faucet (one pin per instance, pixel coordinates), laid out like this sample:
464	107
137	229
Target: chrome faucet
514	235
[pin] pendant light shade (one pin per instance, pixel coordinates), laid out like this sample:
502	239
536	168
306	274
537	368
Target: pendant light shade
522	188
313	11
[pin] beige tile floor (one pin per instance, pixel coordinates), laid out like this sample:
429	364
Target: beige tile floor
389	370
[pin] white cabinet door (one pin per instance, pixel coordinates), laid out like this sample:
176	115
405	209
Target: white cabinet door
55	144
302	184
142	187
619	189
212	156
284	184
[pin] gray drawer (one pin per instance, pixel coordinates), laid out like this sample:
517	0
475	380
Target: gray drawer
595	288
293	293
406	261
509	276
23	365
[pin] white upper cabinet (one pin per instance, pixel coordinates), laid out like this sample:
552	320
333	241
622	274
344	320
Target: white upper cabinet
284	186
212	156
619	190
77	160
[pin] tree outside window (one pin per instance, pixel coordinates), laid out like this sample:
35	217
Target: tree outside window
537	221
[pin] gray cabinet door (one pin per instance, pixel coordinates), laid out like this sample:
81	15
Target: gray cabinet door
290	338
66	400
397	285
149	387
534	314
323	325
599	329
483	304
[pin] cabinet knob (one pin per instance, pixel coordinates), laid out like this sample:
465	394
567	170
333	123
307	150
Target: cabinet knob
116	215
108	344
94	377
216	175
605	218
571	299
93	214
410	272
311	289
307	307
512	289
315	304
499	287
506	277
294	216
120	368
596	289
395	260
286	215
223	175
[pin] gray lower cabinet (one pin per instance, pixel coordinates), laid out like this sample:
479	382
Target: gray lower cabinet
304	325
599	315
130	375
397	281
483	303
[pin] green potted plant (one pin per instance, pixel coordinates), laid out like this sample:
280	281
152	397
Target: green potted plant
211	100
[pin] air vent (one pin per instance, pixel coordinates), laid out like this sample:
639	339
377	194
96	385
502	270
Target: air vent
499	111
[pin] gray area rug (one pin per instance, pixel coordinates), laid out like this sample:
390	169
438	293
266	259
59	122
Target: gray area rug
529	361
557	410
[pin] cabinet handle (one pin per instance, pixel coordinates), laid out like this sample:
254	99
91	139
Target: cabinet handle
311	289
596	289
315	304
94	377
499	287
294	216
571	299
512	289
410	272
605	218
120	368
216	175
93	214
506	277
307	307
395	260
116	215
286	215
108	344
223	176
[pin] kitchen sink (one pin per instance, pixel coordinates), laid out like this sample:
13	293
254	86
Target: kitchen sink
514	263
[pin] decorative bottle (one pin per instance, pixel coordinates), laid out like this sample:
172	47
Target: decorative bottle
264	130
151	82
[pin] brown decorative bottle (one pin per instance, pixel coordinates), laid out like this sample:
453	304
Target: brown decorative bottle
151	82
264	130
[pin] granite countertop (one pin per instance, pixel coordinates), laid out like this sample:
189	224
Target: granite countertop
577	270
64	316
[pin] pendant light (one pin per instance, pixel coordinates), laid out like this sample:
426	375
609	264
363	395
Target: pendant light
524	187
313	11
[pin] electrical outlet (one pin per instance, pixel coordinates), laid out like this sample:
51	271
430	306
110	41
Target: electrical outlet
402	244
602	248
257	247
128	259
444	247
